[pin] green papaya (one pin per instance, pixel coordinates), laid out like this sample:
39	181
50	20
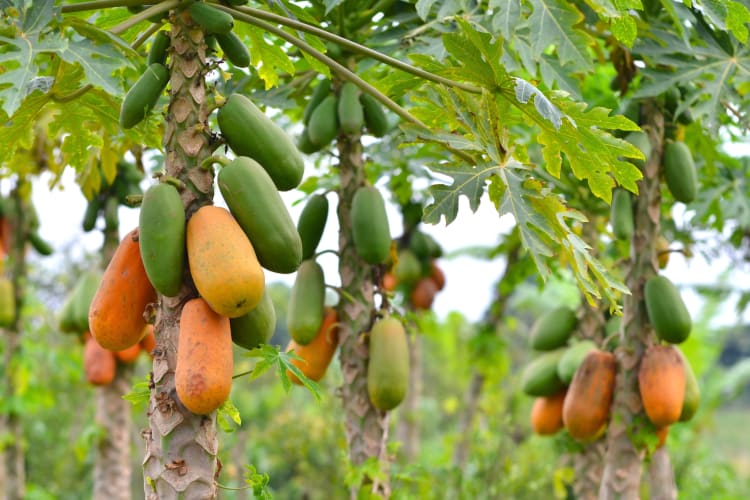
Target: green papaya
255	327
667	312
572	359
234	49
692	391
253	200
32	217
553	329
211	45
540	378
142	96
249	132
679	172
685	118
159	47
672	99
370	229
129	172
211	19
350	113
312	222
408	269
622	214
39	244
123	188
111	216
83	295
67	321
323	125
320	92
376	120
640	141
161	226
388	366
306	302
305	145
419	244
7	303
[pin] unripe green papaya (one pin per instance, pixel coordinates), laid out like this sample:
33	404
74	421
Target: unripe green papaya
142	96
572	359
376	120
370	229
234	49
7	303
39	244
672	99
236	3
111	216
408	269
639	140
158	51
692	391
666	310
249	132
539	377
306	302
129	172
685	118
679	172
211	19
388	366
255	327
622	215
305	145
82	296
67	322
312	222
350	113
320	92
253	200
161	227
323	125
553	329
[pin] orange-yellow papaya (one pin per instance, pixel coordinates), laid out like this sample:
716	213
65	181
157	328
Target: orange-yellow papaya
317	355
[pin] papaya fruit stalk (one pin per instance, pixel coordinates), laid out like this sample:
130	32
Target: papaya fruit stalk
171	426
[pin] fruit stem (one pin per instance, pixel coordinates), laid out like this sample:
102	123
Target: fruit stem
241	374
72	96
342	293
173	181
209	162
134	200
143	15
145	36
322	252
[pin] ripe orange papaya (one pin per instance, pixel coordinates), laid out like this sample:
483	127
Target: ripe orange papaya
661	380
203	373
661	434
116	313
222	261
437	275
317	355
423	294
589	397
390	282
98	363
128	355
546	414
148	342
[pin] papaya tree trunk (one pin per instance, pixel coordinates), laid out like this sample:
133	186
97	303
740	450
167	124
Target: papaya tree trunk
14	451
661	476
492	317
112	470
366	426
624	461
408	421
181	447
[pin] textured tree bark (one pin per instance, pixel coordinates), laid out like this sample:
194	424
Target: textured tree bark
492	317
112	469
181	448
12	424
624	462
366	426
408	421
661	476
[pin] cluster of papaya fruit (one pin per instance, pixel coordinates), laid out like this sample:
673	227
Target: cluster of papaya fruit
574	383
99	364
416	272
127	182
345	110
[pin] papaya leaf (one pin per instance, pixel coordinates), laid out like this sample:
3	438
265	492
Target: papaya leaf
228	416
101	36
271	356
140	394
268	58
553	23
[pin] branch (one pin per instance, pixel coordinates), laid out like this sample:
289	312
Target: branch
352	46
339	69
145	36
143	15
100	4
72	96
